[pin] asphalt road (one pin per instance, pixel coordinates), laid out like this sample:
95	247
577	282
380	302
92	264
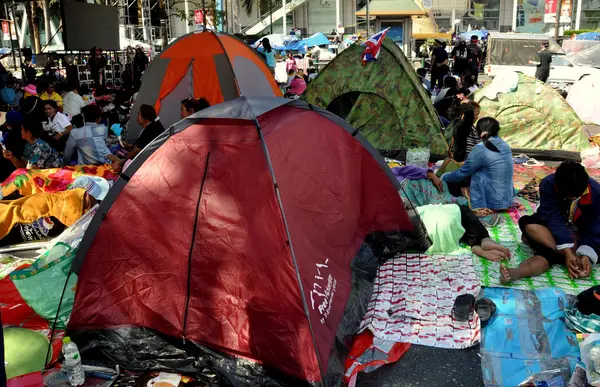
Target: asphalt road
428	367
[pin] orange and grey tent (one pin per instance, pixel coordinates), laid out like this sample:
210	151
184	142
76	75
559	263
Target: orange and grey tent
210	65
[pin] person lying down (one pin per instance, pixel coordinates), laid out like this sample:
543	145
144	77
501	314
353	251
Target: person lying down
565	230
449	224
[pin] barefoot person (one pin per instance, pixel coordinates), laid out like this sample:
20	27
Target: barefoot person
566	228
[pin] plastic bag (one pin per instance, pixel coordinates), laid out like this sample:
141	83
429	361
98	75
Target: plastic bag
590	158
41	284
590	356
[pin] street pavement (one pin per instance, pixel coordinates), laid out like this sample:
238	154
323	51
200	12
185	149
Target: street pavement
427	367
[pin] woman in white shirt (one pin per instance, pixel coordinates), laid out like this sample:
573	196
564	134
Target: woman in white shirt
72	101
57	126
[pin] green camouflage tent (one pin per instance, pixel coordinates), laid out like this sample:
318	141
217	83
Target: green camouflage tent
534	117
384	100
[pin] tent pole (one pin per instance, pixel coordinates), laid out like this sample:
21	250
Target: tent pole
290	244
271	15
368	19
557	25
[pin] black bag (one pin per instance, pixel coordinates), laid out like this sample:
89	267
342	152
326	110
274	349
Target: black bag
588	301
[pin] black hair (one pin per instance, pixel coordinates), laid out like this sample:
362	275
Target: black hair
571	179
51	103
474	37
148	113
34	126
546	44
466	114
469	78
450	82
91	113
195	104
422	72
72	86
291	71
77	121
488	127
267	45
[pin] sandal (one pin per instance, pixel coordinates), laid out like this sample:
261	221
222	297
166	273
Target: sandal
521	159
534	163
463	306
485	309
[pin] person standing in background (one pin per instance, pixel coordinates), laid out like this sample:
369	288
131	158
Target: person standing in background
476	56
439	65
268	53
460	55
96	65
543	66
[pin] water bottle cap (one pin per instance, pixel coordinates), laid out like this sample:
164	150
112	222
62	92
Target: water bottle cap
66	340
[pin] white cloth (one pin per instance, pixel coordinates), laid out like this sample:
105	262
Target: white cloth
58	124
72	104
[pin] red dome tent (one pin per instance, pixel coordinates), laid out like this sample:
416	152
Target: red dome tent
210	65
236	229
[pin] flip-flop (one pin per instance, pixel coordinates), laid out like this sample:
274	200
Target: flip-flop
521	159
485	309
534	163
463	306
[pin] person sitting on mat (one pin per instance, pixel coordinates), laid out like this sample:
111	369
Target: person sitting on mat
490	169
565	229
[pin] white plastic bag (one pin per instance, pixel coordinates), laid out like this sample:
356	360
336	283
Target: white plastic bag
590	356
591	157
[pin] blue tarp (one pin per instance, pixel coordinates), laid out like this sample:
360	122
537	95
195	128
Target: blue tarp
317	39
588	36
527	335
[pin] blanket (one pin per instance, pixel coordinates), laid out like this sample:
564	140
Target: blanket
527	335
412	301
508	234
66	206
32	181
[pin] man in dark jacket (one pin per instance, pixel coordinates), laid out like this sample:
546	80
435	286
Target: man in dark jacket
565	230
475	57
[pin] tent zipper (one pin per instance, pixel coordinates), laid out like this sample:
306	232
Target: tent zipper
189	279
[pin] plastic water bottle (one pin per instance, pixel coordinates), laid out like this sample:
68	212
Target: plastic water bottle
73	362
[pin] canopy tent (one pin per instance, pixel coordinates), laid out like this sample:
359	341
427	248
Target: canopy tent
236	230
481	34
582	99
533	117
317	39
209	65
383	100
277	39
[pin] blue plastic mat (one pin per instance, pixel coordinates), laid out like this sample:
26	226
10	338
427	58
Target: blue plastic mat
526	336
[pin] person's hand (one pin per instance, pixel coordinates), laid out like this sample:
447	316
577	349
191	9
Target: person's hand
530	61
437	182
572	263
585	266
57	136
7	154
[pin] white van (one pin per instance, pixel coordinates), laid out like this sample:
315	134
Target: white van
512	52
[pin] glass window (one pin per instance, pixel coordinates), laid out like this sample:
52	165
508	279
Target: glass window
558	60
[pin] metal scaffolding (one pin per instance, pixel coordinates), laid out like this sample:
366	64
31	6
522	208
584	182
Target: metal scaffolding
137	22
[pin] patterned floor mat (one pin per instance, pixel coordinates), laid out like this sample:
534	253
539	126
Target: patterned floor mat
507	233
413	297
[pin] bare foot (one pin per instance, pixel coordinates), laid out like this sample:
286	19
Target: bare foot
489	244
507	274
492	255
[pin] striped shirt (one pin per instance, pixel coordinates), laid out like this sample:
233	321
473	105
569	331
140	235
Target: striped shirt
472	139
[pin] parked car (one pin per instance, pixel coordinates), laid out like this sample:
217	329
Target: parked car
512	52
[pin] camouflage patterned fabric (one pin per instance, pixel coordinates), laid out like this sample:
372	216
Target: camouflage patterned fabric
392	111
534	116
